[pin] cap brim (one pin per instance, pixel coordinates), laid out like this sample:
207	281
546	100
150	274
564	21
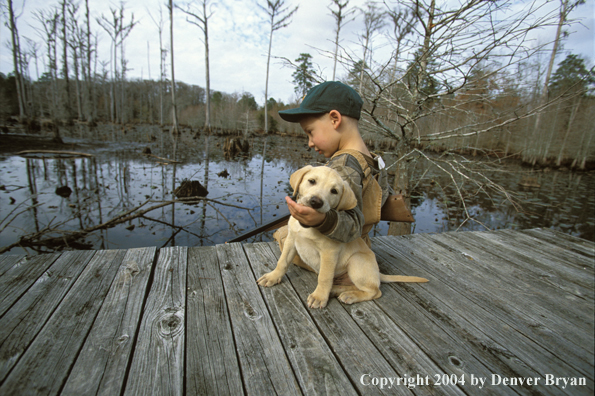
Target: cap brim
295	115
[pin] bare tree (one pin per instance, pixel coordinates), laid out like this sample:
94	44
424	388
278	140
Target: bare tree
279	15
125	31
34	48
439	56
402	22
340	15
201	19
87	74
48	33
566	6
118	31
174	130
16	59
65	71
162	58
373	22
76	45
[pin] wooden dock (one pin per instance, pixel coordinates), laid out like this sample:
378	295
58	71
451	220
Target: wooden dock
504	313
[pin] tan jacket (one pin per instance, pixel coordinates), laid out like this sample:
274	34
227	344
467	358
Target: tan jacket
371	189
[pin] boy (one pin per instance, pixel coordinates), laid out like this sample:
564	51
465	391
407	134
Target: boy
329	115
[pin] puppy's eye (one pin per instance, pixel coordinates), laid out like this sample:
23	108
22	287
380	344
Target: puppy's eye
312	181
334	191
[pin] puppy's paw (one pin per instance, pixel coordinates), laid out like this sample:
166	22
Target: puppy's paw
349	297
354	296
316	300
270	279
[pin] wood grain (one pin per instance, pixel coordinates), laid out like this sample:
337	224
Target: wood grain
315	366
45	364
7	261
102	363
478	322
158	361
25	319
265	367
16	280
212	365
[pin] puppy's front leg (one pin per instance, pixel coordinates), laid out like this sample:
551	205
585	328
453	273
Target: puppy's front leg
328	262
287	255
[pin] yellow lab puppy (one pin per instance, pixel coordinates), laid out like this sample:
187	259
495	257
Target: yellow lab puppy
322	188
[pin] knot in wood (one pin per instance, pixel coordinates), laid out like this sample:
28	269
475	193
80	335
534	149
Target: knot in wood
171	323
455	361
250	312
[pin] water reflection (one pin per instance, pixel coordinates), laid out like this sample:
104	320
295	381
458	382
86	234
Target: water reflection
118	178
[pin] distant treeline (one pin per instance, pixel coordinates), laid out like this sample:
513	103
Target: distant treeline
562	135
138	102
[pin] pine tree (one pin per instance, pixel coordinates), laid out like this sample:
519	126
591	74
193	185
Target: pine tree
303	76
572	75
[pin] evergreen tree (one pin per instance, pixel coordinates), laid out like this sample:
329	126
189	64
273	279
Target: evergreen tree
247	102
423	83
303	76
572	75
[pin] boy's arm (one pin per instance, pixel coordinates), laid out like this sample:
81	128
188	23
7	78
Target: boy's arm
346	225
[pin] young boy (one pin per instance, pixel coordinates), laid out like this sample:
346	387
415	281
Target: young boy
329	115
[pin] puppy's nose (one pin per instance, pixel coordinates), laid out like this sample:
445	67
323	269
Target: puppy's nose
316	203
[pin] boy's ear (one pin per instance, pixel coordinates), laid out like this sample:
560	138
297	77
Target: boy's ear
348	200
296	178
335	118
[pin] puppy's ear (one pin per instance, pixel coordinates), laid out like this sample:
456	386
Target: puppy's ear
296	178
348	200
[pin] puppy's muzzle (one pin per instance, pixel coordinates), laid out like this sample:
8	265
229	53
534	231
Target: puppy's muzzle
315	202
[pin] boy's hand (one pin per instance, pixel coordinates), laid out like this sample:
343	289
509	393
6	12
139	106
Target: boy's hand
304	214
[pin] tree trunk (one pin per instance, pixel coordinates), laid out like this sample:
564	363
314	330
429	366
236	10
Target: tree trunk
266	87
568	129
530	154
361	73
89	105
401	186
67	109
173	79
208	93
15	57
585	155
78	90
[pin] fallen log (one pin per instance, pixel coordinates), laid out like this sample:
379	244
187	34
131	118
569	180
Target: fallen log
57	152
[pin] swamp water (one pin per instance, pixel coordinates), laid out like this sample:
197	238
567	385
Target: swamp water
248	190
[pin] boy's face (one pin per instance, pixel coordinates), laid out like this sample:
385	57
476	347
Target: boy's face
322	134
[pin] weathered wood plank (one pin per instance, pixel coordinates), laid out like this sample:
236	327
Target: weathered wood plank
212	366
564	259
314	364
572	279
552	301
23	321
565	241
358	356
403	354
44	366
440	337
521	302
15	282
8	261
158	361
524	356
101	366
265	368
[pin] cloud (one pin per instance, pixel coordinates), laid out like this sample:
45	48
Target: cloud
238	41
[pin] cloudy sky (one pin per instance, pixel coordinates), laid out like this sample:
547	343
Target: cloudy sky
239	33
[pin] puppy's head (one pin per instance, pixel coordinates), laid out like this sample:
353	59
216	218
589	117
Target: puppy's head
322	189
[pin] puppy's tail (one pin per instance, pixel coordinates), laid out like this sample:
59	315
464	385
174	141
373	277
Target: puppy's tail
400	278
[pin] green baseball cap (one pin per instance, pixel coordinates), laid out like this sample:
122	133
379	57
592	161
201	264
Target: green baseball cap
330	95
